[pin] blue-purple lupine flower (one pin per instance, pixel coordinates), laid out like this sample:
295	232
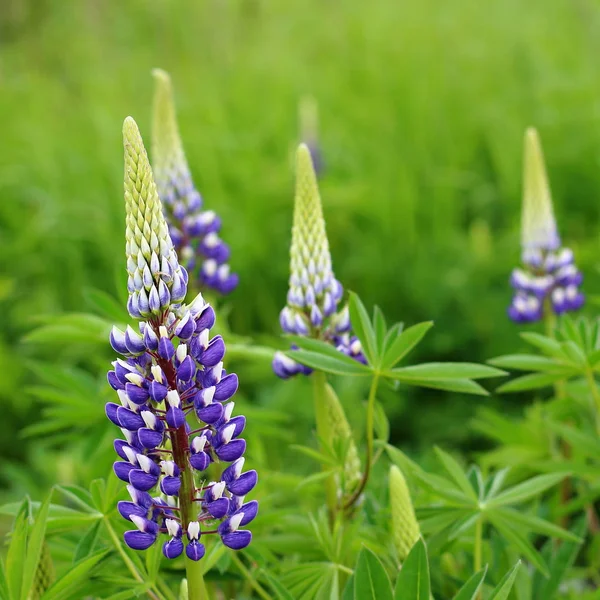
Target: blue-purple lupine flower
549	279
170	374
194	232
314	293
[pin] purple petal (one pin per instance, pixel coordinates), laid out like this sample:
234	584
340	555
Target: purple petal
195	550
187	369
129	508
219	508
128	419
231	451
243	484
200	461
237	540
211	413
111	412
166	349
175	417
149	438
214	353
173	548
138	540
122	470
170	485
137	394
158	391
226	388
141	480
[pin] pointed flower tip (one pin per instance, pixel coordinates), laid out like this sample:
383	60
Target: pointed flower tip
538	222
161	76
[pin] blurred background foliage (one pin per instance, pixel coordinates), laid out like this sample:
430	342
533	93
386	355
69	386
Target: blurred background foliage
422	111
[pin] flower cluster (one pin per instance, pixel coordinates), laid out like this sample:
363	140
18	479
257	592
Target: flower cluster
171	372
195	232
314	293
549	280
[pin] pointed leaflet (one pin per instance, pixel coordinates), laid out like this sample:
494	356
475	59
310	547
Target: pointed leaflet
538	226
470	590
465	386
17	551
404	343
363	328
413	580
456	473
34	547
370	579
526	490
502	590
447	371
380	329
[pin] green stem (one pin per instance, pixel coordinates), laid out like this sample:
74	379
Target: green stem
249	577
181	446
477	550
322	422
128	562
370	437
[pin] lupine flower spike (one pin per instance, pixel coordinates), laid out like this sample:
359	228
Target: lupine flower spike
314	293
309	130
549	279
405	527
195	232
171	374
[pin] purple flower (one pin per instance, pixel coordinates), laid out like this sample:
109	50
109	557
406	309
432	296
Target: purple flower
314	294
170	375
194	231
549	279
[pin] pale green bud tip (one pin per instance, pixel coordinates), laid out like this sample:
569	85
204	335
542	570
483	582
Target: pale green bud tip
167	150
405	527
538	222
308	112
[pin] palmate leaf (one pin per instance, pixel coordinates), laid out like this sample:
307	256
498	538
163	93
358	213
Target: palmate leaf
465	386
544	343
370	579
413	580
533	381
535	524
281	592
338	364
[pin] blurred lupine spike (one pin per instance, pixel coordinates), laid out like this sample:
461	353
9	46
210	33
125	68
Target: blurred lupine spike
44	574
308	113
314	292
549	279
171	371
194	231
340	430
538	225
405	527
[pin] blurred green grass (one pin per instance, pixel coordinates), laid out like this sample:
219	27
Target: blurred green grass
422	109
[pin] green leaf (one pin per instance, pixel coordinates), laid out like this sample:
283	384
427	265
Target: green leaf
526	490
80	497
17	551
560	561
73	578
545	344
413	579
534	381
502	590
451	385
526	362
535	524
349	589
380	329
324	349
370	579
34	547
471	588
404	343
317	456
105	305
456	473
583	442
87	543
518	541
281	592
4	591
449	370
363	328
322	362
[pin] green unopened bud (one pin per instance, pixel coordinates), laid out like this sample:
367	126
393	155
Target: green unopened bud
44	574
183	590
155	277
405	527
341	433
538	225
